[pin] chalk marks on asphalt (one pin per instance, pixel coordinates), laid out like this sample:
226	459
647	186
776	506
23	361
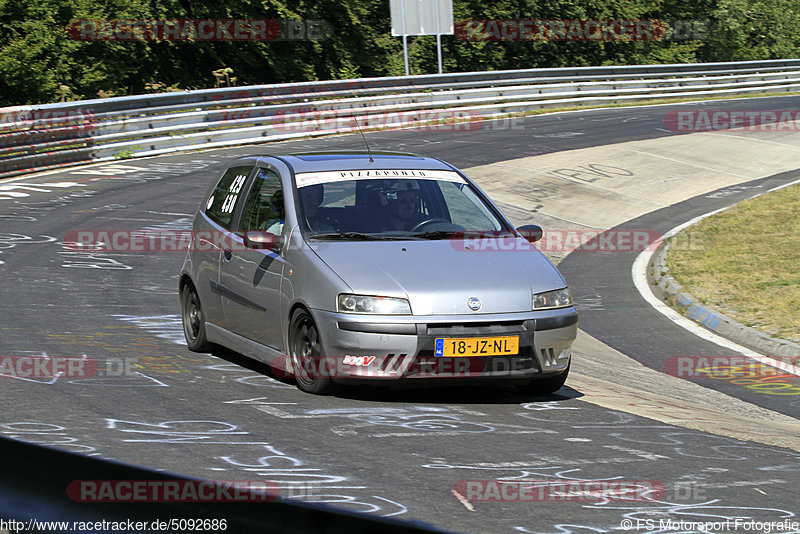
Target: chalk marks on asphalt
394	422
692	494
10	240
145	171
46	434
15	191
220	446
243	375
169	327
91	260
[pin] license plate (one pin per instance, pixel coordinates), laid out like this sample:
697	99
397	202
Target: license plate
476	346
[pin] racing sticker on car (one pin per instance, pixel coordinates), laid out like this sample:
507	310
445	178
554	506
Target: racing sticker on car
233	193
304	179
359	361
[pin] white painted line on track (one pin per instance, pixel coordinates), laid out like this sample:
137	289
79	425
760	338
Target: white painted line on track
639	275
783	186
463	500
717	134
650	154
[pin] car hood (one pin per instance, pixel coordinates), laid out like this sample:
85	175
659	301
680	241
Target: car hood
440	276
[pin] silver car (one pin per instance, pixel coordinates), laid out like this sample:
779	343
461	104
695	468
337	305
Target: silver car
384	267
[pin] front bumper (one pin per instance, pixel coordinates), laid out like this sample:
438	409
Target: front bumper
369	347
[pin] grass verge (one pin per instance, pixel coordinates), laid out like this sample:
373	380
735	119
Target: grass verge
745	262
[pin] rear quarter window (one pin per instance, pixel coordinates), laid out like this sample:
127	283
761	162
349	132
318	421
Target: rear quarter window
220	203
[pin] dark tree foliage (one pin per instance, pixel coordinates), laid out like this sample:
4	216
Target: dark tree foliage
40	62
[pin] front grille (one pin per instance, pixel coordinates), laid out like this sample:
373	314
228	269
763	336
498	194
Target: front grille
477	329
548	357
392	363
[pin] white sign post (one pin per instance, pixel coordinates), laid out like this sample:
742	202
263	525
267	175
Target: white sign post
422	17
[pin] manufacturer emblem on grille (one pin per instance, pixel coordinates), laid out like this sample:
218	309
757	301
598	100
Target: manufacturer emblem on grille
474	303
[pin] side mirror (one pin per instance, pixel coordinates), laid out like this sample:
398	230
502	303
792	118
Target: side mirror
531	232
260	240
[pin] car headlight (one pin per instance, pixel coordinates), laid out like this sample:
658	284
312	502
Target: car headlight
560	298
349	303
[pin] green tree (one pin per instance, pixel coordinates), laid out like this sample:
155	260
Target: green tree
40	61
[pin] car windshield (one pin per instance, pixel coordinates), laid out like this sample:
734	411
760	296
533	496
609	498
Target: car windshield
358	205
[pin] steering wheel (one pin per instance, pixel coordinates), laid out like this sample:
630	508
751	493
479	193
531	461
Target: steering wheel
417	227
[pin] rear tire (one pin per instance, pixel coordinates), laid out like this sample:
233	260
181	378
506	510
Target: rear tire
194	324
305	351
547	385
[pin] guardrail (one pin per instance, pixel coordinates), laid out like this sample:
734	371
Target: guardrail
35	138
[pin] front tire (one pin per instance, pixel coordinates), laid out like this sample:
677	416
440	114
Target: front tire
305	351
194	324
546	386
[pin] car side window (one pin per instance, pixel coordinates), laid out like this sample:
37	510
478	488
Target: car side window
220	204
264	208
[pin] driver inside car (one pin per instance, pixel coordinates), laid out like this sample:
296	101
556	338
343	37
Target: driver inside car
403	203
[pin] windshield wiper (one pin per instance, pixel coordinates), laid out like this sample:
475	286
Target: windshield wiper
351	235
462	234
438	234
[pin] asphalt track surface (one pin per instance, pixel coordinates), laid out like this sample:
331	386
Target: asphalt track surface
616	313
388	453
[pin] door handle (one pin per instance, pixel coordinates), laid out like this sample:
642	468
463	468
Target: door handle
227	254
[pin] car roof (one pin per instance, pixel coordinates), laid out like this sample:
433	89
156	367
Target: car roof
354	160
